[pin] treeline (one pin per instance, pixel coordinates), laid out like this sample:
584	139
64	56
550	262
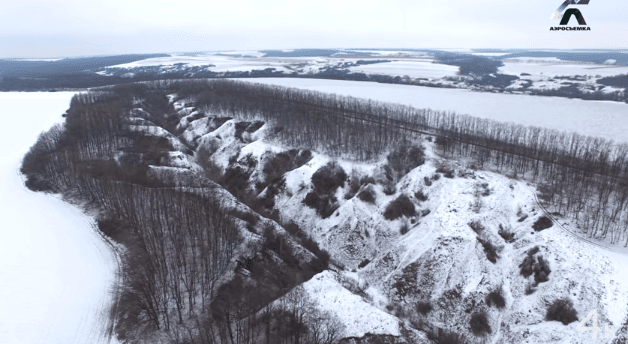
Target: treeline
573	91
302	119
38	69
179	237
469	64
585	177
179	242
615	81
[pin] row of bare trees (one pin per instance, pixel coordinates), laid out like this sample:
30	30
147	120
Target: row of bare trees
296	318
179	239
584	177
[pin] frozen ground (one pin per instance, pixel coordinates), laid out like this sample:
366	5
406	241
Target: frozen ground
413	64
414	68
549	67
439	258
215	63
55	270
596	118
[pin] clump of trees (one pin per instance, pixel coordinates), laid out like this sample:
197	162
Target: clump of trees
446	337
277	164
496	298
420	196
506	233
562	310
328	178
402	159
401	206
490	250
367	194
479	324
476	226
424	307
542	223
539	266
325	181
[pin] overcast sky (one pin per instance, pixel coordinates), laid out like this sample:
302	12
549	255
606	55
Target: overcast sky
53	28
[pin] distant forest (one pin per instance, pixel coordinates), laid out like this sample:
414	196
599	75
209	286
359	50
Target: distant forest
600	57
80	73
69	73
482	72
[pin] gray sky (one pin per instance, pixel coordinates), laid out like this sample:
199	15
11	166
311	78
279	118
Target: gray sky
51	28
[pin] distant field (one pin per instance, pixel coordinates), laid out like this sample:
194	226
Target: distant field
596	118
215	63
412	68
550	67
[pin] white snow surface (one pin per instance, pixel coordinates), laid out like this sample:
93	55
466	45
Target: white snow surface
414	68
355	313
55	270
439	256
555	67
449	257
605	119
220	63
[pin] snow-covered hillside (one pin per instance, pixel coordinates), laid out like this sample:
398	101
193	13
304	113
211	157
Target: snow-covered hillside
56	272
387	267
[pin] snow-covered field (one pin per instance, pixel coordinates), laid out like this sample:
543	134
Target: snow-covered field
595	118
420	68
56	272
550	67
215	63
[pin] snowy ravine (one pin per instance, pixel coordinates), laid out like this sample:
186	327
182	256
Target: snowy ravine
380	272
56	271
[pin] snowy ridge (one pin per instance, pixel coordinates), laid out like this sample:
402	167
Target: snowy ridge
439	260
358	316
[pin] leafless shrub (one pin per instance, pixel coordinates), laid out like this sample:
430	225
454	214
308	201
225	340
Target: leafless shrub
496	298
489	249
506	233
542	223
562	310
424	307
477	226
479	324
402	206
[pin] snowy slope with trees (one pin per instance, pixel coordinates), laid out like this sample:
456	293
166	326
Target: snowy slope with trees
594	118
255	214
468	248
468	238
56	273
